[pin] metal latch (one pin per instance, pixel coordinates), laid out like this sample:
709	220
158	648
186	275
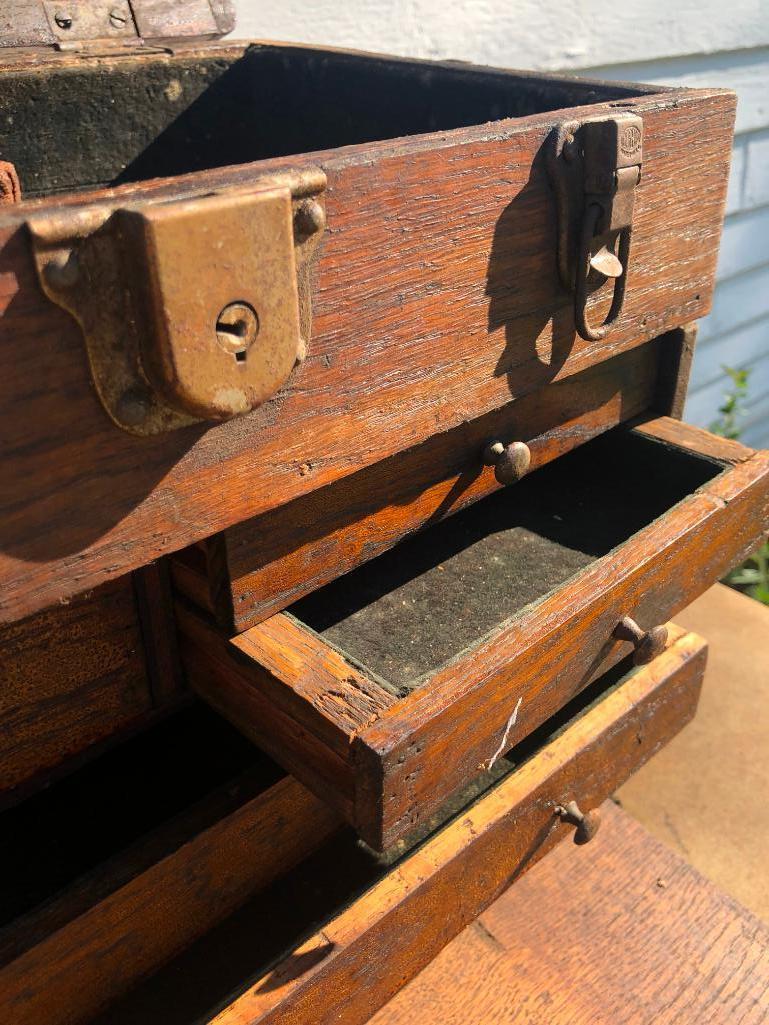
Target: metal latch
594	167
191	309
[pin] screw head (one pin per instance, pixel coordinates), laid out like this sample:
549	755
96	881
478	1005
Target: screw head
236	329
63	20
118	17
309	218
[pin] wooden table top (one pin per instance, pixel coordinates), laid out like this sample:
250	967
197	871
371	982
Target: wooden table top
621	931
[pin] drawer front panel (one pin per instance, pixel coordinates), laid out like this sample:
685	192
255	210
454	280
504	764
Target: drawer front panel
436	301
401	923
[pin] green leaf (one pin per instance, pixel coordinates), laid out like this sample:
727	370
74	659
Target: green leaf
745	576
760	594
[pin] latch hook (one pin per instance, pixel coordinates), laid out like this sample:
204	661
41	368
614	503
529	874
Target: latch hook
594	168
585	264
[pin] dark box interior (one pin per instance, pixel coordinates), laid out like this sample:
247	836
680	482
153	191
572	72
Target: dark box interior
415	608
105	807
126	119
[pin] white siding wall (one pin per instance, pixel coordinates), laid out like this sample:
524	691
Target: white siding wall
686	42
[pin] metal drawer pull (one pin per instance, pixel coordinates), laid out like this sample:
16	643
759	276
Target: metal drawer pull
648	643
587	823
510	462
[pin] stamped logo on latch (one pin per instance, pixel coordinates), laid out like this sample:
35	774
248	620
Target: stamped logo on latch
630	140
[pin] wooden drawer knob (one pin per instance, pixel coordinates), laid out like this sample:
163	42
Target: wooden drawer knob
587	823
510	462
648	643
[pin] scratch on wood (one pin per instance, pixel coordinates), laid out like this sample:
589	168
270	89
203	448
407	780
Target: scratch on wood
487	766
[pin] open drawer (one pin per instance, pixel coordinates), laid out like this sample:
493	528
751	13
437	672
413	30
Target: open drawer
392	687
298	953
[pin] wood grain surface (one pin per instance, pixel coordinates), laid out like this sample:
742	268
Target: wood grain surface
154	603
70	677
356	961
296	732
64	962
621	932
429	311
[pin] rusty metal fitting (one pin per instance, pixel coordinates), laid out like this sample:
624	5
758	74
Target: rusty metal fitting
648	644
510	462
310	217
236	329
587	823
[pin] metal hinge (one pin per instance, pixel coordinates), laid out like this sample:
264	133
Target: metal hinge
191	309
95	25
595	166
112	26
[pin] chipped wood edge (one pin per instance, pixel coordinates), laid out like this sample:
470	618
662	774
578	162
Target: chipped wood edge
696	440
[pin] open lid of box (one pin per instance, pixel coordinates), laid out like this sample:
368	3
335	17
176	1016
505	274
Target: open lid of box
74	25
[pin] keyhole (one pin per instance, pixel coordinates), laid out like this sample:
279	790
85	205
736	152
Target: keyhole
237	332
236	328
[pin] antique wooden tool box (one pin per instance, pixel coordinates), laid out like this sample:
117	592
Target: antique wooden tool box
339	403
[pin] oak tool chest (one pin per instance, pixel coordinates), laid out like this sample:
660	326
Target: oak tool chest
344	503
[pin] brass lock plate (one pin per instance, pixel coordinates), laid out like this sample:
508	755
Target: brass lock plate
205	256
191	309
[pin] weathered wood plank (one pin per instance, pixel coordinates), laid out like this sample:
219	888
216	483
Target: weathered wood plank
676	359
154	601
302	736
656	929
696	440
70	677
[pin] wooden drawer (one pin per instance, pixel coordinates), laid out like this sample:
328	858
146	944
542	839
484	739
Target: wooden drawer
335	953
387	690
434	291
